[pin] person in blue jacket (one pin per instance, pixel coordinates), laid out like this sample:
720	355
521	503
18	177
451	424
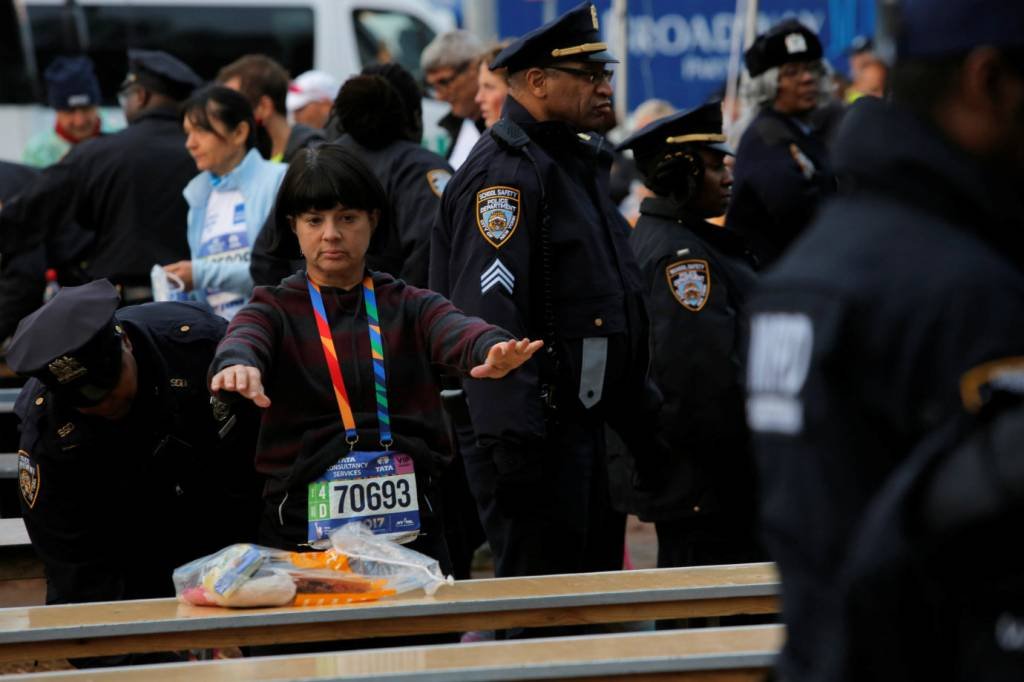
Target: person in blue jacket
228	201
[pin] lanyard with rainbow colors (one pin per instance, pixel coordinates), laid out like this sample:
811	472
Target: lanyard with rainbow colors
334	368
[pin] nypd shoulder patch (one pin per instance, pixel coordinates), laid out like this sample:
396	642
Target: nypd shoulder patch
28	478
690	282
497	213
438	180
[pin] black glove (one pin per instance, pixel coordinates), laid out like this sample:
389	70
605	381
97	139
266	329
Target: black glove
521	478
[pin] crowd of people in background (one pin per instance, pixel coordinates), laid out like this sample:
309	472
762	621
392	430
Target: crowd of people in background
774	327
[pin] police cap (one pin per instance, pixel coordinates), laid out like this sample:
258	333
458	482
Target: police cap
926	30
160	72
574	35
700	127
788	41
71	82
72	344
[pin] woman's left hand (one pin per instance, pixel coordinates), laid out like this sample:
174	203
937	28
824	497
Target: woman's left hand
504	357
182	269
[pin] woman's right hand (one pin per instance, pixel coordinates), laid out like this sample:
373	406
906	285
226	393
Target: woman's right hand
243	380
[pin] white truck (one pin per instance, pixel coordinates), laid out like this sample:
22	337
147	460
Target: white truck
336	36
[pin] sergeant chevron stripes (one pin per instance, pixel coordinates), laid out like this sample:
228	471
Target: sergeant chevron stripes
495	275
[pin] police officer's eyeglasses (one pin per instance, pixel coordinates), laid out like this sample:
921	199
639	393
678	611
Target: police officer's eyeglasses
432	88
593	77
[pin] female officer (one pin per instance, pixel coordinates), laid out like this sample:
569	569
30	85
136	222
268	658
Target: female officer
228	201
348	358
698	276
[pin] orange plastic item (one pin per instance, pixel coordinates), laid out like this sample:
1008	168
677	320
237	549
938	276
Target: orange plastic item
336	598
328	559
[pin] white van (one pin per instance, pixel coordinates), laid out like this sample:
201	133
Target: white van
337	36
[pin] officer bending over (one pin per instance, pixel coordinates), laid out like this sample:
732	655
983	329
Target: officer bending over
126	470
697	276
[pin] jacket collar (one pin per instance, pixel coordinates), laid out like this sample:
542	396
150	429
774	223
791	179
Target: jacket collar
157	114
548	134
887	150
201	185
669	209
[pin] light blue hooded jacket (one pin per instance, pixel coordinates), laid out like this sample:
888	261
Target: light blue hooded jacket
257	180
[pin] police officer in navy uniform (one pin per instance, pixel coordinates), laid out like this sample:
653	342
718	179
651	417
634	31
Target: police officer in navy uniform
126	468
782	167
527	238
698	277
905	295
125	187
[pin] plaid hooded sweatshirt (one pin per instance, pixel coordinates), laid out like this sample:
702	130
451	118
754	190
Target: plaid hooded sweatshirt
301	433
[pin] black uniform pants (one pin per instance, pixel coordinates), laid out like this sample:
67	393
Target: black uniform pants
570	526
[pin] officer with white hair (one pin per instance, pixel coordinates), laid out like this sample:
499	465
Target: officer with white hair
781	163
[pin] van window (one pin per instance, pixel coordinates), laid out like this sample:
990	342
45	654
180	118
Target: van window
206	38
388	36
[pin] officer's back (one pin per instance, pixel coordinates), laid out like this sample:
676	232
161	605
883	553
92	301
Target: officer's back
862	335
125	187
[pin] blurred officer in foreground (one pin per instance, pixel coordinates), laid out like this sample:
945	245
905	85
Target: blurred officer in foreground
932	589
861	336
74	94
698	277
125	188
527	238
782	168
125	467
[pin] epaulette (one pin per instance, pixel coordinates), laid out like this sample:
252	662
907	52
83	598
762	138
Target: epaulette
509	135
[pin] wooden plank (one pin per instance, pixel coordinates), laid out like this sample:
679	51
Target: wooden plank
620	596
705	654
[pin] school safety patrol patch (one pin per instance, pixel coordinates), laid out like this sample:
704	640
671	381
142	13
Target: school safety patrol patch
438	180
497	213
690	282
28	478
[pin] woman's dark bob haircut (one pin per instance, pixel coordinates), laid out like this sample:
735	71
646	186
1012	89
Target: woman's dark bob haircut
319	178
229	107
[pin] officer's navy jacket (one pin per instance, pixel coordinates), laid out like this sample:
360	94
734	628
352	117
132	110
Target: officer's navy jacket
125	187
861	337
113	507
698	278
782	173
486	256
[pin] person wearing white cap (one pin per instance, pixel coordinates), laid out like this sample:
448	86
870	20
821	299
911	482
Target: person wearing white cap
310	98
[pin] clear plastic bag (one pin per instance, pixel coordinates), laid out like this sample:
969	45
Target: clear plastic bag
358	567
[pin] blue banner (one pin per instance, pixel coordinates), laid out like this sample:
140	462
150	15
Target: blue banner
679	51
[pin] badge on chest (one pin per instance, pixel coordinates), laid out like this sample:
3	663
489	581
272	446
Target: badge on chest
497	213
377	489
